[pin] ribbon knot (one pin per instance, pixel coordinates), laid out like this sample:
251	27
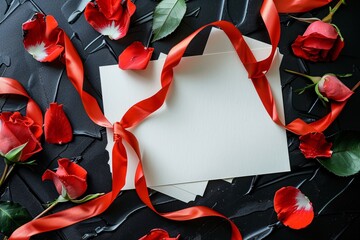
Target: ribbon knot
119	131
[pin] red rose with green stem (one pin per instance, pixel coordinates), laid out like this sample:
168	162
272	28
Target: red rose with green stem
322	41
70	182
19	140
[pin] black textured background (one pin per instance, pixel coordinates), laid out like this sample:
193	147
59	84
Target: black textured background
248	201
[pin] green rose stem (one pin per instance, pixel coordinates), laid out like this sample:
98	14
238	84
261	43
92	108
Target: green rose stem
6	173
65	198
328	18
52	205
314	79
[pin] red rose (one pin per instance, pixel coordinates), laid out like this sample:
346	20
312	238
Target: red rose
16	130
110	18
314	145
331	87
320	42
42	38
135	57
69	176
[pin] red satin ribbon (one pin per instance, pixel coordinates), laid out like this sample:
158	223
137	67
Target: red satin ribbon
293	6
11	86
137	113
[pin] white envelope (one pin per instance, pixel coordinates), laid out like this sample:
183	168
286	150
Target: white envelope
121	89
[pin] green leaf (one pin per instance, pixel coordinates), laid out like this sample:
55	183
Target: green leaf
345	160
14	154
12	216
167	17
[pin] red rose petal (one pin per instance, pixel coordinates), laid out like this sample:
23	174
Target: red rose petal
110	20
322	28
314	145
57	127
66	167
135	57
158	234
293	208
41	38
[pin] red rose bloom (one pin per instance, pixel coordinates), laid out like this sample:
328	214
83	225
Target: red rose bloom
42	38
109	17
293	208
320	42
56	125
135	57
70	176
158	234
16	130
332	88
314	145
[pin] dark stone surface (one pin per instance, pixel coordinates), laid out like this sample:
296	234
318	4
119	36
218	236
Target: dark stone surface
248	201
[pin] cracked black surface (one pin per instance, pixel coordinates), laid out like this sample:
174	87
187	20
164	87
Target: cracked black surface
248	201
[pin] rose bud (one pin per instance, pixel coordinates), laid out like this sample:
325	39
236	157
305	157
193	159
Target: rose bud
320	42
332	88
69	177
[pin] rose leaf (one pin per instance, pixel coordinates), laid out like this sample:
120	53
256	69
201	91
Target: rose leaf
12	216
345	160
167	17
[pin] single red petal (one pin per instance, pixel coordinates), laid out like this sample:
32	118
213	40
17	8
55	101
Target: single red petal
293	208
314	145
135	57
75	186
158	234
42	38
318	41
338	46
113	23
67	167
100	23
50	175
110	8
322	28
57	127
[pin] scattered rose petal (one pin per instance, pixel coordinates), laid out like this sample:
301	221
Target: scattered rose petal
314	145
110	18
332	88
158	234
42	38
293	208
70	176
135	57
320	42
57	127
